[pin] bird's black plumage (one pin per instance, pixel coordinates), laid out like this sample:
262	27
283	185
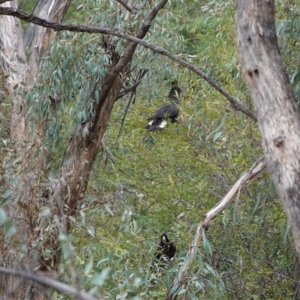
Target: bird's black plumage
166	249
167	111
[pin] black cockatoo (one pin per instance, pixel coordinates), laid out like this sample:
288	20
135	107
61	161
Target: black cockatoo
167	111
166	249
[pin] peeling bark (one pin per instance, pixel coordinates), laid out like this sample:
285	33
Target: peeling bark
27	212
272	95
13	58
23	210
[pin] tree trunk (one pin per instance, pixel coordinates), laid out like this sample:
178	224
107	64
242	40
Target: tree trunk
272	95
86	141
23	207
37	231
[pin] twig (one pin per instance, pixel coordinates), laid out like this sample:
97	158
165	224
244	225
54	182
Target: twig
133	87
124	116
128	7
110	155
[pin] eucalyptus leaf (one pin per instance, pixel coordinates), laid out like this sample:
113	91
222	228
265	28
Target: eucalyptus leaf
100	279
217	135
3	216
91	231
108	209
9	229
7	193
89	266
206	243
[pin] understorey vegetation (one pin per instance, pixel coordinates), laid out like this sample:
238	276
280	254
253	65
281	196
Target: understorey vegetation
99	232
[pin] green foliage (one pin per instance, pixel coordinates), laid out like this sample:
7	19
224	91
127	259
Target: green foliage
76	62
8	227
288	27
166	181
3	216
145	183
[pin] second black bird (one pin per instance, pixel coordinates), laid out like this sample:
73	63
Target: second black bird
166	249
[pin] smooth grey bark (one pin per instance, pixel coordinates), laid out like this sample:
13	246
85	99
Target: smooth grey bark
273	99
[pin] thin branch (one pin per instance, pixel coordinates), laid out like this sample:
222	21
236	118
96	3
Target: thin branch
56	285
109	153
256	168
133	87
132	90
125	4
128	54
124	116
115	32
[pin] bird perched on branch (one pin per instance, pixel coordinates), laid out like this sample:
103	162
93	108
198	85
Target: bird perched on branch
166	249
168	111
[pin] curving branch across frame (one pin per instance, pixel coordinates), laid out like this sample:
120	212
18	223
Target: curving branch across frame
115	32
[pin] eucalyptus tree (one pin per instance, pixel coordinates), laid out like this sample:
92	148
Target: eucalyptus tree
273	98
40	213
38	89
277	116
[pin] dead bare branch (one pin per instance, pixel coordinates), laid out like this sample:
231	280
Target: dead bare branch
115	32
54	284
3	1
256	168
